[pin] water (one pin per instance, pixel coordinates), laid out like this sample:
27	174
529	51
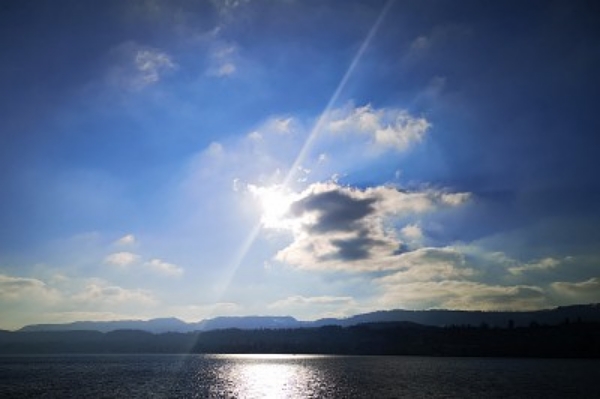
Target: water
294	376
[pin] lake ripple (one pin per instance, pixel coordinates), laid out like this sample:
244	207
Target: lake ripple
294	376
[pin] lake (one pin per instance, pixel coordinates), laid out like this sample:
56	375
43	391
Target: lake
294	376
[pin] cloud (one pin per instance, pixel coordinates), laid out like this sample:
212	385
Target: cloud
386	127
545	264
100	294
122	259
151	63
429	264
139	66
20	289
312	307
126	240
412	233
463	295
227	6
420	43
344	228
579	292
71	316
334	208
165	268
126	259
438	37
62	298
222	59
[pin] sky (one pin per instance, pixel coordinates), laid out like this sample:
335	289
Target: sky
196	159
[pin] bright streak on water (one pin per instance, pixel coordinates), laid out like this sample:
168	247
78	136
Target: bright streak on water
269	376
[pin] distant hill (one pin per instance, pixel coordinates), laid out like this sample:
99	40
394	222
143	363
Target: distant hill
173	324
577	339
439	318
155	326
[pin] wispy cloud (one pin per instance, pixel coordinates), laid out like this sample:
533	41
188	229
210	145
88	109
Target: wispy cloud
139	66
227	6
579	292
100	294
126	240
26	289
464	295
222	60
545	264
155	265
312	307
122	259
165	268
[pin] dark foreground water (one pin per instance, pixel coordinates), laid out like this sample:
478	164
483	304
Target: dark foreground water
294	376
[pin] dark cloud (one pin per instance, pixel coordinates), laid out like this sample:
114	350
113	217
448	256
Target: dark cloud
337	211
355	248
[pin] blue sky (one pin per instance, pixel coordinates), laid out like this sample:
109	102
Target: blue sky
304	158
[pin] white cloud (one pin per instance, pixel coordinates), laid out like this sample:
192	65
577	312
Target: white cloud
100	293
127	259
412	233
165	268
122	259
463	295
71	316
387	127
128	239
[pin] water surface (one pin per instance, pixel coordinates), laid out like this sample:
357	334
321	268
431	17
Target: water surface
294	376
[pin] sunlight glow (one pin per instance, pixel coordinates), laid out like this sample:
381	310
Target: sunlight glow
275	204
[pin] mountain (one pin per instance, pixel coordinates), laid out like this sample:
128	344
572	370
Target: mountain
249	323
474	318
587	313
154	325
173	324
564	340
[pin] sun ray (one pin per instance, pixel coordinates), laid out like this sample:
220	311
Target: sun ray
306	147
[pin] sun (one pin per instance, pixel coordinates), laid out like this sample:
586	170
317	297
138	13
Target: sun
275	202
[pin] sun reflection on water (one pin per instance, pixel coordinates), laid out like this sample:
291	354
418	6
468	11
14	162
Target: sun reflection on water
268	376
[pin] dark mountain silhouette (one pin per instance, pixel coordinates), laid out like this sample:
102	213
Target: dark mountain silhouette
568	339
557	315
440	318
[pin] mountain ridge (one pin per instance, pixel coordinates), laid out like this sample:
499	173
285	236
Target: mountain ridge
432	317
